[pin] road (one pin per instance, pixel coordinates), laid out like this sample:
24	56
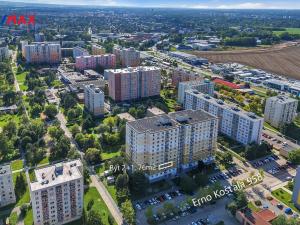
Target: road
112	206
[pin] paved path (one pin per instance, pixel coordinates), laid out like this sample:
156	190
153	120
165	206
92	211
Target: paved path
112	206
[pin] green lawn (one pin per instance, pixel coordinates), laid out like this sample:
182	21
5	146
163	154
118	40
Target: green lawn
99	204
44	161
13	218
100	169
112	191
25	198
28	220
289	30
5	118
109	155
17	164
267	125
285	197
21	80
253	207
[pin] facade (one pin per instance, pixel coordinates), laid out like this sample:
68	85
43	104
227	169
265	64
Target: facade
203	86
133	83
128	57
168	144
42	53
181	75
280	110
94	100
4	53
296	190
107	61
97	49
6	186
57	193
78	51
23	44
235	123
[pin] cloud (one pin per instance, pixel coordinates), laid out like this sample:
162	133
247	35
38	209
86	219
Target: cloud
246	5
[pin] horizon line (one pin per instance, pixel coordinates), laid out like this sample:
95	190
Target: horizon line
146	7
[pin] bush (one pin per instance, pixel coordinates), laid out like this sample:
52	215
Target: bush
258	203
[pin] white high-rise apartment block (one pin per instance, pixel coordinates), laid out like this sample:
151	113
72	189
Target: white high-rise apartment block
128	57
239	125
42	52
203	86
168	144
57	193
7	192
94	100
4	53
280	110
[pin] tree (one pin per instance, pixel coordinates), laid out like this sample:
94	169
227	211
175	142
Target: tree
294	157
138	182
201	179
122	181
128	212
36	110
94	218
187	184
10	129
75	129
9	98
55	132
241	199
51	111
232	207
93	156
6	145
20	188
169	208
69	101
90	205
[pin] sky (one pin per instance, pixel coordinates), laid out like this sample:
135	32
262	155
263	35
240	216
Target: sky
196	4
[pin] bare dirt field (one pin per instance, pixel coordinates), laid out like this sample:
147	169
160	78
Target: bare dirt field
282	59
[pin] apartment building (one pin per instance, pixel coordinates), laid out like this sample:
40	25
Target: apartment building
181	75
133	83
128	57
97	49
107	61
78	51
204	86
237	124
23	44
280	110
39	37
7	192
94	100
296	190
4	53
57	193
165	145
42	53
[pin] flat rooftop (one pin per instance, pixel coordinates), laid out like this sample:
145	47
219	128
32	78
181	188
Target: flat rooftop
227	106
133	69
56	174
155	111
171	120
5	170
283	99
126	116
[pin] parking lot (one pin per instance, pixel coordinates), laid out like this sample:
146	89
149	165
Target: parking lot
278	141
186	213
225	175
